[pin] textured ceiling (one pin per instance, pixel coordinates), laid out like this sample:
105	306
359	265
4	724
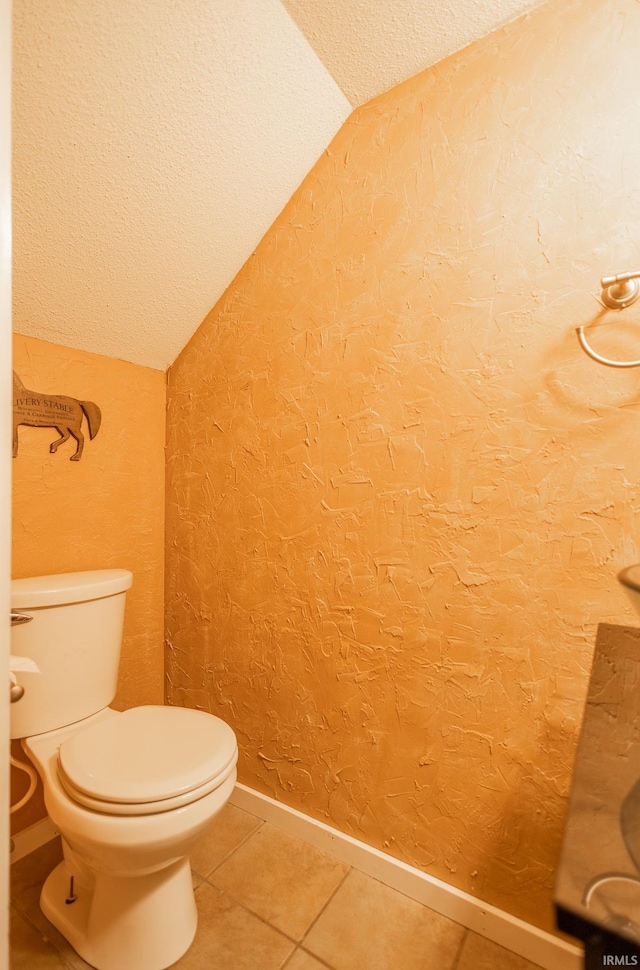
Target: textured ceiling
368	46
155	143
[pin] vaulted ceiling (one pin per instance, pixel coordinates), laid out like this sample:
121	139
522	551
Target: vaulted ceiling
156	142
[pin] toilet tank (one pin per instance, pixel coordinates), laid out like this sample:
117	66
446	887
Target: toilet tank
74	637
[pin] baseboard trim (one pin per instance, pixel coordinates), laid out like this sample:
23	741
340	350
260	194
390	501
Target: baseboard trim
495	924
31	838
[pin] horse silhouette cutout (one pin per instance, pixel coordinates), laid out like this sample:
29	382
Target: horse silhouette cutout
65	414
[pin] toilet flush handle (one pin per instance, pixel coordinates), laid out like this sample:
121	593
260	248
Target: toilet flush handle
18	618
16	692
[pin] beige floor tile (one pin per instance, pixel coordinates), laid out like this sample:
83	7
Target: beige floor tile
369	925
226	832
282	879
28	874
196	879
28	951
230	938
34	915
27	877
481	954
301	960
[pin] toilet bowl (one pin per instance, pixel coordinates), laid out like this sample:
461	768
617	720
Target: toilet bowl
133	904
130	793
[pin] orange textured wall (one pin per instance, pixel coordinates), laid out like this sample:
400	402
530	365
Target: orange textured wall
106	510
398	491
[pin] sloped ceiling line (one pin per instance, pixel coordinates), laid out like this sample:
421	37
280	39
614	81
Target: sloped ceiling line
154	144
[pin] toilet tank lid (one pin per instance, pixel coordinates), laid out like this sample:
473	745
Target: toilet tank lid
66	588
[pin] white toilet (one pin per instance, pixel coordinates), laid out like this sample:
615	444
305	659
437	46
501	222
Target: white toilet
130	792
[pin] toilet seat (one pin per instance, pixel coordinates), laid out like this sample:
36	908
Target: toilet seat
142	808
147	760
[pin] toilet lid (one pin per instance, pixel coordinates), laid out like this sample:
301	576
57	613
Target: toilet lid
148	754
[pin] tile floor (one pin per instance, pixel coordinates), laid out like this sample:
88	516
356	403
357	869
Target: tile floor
268	901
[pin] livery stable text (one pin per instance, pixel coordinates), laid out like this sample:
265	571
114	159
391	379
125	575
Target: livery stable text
40	403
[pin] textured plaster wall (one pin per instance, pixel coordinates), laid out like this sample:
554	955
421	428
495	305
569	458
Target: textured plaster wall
104	511
398	491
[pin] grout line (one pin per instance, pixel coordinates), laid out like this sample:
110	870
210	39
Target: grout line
272	926
318	915
231	852
24	917
314	956
309	953
287	962
458	956
48	940
288	959
323	963
257	915
253	913
297	943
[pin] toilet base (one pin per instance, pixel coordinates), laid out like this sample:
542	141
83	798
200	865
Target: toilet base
124	923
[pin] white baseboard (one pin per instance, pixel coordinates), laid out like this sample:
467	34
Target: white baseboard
31	838
495	924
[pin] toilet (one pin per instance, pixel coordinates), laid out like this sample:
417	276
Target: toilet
130	792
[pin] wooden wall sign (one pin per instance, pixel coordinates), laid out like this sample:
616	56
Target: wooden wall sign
53	411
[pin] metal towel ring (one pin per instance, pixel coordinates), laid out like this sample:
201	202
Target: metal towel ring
618	292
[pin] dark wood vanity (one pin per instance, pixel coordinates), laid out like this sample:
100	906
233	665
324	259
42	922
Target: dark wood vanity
597	894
